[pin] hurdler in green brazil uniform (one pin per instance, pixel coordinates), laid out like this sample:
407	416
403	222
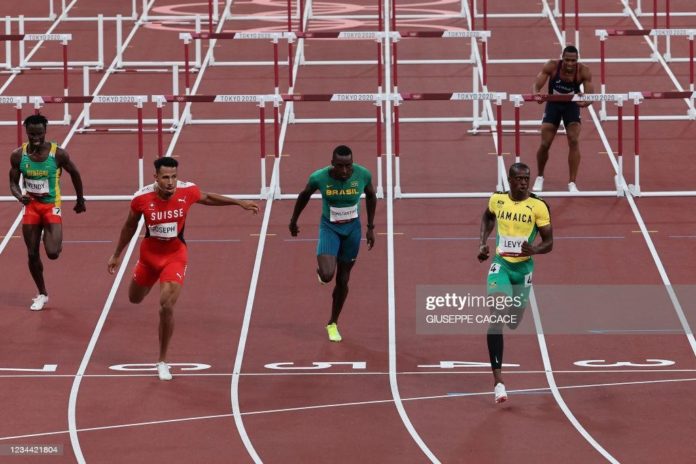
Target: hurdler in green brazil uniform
520	216
341	186
40	164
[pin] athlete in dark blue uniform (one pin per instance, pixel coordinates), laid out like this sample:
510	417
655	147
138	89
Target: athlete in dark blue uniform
565	76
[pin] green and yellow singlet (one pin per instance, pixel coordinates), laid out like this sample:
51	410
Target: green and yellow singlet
41	179
518	221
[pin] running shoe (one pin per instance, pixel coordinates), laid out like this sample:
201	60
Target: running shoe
332	330
500	393
538	184
572	188
163	371
39	302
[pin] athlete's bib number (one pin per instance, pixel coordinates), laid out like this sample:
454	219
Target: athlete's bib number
37	186
343	214
164	230
510	246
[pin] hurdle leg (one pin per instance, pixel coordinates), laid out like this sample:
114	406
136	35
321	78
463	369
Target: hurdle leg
66	109
20	51
20	134
140	145
397	150
175	91
119	41
8	44
100	42
636	146
378	123
85	91
262	147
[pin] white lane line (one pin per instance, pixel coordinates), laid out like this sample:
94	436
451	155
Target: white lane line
348	404
391	292
554	388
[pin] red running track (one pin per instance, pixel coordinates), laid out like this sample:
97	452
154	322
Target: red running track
252	286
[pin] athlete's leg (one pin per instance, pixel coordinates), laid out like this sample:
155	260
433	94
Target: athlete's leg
32	239
137	293
573	134
340	292
169	294
326	267
53	240
548	132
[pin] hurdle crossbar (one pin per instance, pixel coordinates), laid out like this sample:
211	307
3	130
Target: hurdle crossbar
259	100
138	100
618	99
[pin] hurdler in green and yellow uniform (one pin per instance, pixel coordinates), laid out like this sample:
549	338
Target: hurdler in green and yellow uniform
38	165
42	184
341	186
340	229
519	216
517	222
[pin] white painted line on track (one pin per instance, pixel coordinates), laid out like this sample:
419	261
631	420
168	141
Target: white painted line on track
554	388
355	403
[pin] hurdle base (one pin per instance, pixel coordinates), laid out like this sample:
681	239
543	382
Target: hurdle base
634	189
619	190
397	192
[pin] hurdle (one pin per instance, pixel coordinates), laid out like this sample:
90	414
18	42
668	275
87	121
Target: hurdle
274	37
604	34
259	100
88	121
121	63
638	98
138	100
376	99
619	99
17	102
96	64
497	97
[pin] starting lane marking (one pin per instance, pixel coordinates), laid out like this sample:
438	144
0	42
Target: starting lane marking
337	405
317	365
45	368
153	367
604	363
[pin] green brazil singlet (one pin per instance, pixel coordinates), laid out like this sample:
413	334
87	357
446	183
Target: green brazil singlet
41	178
340	199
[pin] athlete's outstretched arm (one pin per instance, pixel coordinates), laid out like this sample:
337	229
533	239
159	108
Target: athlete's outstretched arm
302	200
215	199
66	163
127	231
487	224
15	189
545	246
371	202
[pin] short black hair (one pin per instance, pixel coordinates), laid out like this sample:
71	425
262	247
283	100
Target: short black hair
342	150
36	119
570	49
166	162
517	167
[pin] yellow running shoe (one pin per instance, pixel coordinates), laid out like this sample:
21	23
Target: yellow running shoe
332	330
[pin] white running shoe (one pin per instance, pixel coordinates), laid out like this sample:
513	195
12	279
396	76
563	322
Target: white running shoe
39	302
538	184
500	393
163	371
572	188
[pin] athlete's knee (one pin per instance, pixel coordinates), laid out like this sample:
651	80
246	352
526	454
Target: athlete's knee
34	256
326	275
53	254
166	309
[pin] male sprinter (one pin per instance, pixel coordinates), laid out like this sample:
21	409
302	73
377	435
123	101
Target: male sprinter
565	77
40	163
341	185
520	215
163	253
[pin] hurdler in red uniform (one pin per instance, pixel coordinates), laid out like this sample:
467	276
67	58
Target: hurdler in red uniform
163	253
